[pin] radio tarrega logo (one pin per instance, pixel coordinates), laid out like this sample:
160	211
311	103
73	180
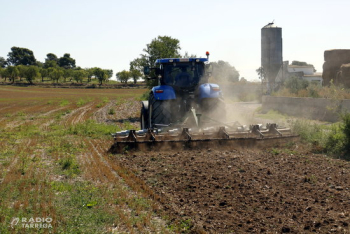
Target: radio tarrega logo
14	222
38	222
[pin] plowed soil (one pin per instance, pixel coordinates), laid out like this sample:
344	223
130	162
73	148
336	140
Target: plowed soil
278	191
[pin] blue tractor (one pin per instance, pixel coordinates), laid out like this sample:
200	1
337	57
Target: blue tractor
183	96
185	111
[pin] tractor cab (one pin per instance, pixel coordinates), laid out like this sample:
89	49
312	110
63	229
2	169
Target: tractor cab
181	73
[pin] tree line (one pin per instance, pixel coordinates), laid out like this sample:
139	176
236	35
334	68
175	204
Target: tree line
21	64
168	47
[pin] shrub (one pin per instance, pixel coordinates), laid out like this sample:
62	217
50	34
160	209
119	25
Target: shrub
111	112
295	84
145	96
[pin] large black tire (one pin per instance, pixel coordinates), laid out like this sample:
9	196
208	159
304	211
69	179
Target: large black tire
159	111
144	119
214	108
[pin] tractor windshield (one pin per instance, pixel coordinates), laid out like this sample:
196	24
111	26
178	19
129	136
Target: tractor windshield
183	74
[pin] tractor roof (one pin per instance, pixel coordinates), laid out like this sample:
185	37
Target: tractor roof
179	60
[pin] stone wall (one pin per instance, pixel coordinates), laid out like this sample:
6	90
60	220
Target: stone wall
311	108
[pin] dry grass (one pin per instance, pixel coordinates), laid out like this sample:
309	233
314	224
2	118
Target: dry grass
54	163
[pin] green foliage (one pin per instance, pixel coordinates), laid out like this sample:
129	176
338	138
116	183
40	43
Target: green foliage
346	130
3	62
135	75
51	60
64	103
21	56
78	75
311	132
295	84
339	141
92	129
69	165
81	207
223	71
123	76
55	73
12	73
100	74
31	73
66	61
160	47
261	73
145	96
111	111
299	63
82	102
333	139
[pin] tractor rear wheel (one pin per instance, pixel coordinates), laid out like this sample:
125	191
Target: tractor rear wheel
159	111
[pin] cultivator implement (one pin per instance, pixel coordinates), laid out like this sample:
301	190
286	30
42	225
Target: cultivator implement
253	136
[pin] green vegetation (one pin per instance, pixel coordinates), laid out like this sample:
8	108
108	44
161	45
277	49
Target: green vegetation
295	87
54	163
21	63
295	84
333	139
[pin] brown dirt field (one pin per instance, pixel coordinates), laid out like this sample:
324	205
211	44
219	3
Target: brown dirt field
250	191
278	190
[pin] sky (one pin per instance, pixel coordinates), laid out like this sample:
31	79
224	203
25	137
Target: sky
109	34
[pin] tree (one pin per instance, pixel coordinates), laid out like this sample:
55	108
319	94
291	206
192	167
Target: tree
4	73
135	75
51	57
31	73
3	62
89	73
186	55
123	76
67	73
100	74
109	74
136	70
20	56
51	60
1	72
66	61
223	71
294	84
299	63
78	75
12	73
160	47
22	71
44	72
261	73
55	73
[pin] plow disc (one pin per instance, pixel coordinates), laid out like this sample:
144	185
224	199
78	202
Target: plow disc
214	138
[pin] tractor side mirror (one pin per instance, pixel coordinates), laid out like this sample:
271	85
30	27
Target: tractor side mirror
146	70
